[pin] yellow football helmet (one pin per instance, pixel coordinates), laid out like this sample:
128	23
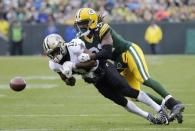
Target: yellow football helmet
86	20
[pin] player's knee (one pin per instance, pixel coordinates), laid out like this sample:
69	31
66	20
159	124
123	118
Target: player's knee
120	101
130	92
116	98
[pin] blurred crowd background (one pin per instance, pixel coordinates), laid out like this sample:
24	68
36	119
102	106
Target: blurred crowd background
63	11
14	14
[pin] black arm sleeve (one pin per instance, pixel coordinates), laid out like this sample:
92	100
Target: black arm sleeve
105	53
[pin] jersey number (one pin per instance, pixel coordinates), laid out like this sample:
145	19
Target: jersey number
96	49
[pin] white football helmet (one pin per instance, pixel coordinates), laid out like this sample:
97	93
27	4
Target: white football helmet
54	47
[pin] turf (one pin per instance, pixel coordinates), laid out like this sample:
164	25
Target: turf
48	104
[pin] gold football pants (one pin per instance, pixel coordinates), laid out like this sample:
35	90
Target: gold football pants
137	71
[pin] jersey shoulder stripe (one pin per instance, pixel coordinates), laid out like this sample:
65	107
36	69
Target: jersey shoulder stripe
103	30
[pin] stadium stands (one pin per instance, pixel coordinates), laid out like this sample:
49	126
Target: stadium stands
62	11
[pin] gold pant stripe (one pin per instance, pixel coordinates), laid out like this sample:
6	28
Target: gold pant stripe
139	63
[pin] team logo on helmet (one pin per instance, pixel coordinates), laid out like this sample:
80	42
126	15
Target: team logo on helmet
91	12
54	47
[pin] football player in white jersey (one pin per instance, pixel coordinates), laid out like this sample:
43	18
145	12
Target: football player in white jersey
66	59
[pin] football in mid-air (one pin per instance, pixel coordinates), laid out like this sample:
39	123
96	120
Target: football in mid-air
17	83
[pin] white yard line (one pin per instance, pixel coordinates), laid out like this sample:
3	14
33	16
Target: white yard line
41	85
2	95
38	77
41	77
44	85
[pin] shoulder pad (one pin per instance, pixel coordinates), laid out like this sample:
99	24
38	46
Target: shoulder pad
103	29
76	46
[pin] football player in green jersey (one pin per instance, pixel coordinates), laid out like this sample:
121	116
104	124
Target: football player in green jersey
128	57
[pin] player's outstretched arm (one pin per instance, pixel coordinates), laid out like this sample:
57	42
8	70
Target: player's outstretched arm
86	65
69	81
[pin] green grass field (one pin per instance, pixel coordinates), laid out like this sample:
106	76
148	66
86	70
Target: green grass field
48	104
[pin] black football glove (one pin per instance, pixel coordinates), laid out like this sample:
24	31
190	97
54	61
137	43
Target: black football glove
70	81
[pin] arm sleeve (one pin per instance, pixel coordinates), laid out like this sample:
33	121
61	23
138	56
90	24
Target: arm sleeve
105	53
54	66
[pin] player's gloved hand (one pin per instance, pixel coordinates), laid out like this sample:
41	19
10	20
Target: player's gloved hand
67	68
67	72
70	81
83	57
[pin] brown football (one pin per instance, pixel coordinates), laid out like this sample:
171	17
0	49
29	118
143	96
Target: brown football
17	83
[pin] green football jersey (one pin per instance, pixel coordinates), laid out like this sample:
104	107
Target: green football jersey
120	45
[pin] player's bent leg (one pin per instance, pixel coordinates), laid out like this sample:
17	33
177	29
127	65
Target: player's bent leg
162	116
131	107
114	87
135	84
156	86
118	83
158	100
142	97
116	97
175	106
137	64
111	94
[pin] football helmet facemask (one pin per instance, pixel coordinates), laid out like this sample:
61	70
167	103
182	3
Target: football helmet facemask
85	21
54	47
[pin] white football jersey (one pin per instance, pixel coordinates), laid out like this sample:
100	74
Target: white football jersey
75	48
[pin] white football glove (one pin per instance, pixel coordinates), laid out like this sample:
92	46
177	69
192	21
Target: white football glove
83	57
67	68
